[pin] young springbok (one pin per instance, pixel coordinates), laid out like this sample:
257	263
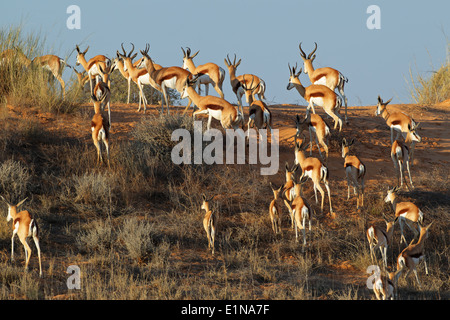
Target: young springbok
405	212
385	285
380	239
275	209
24	226
355	171
315	125
314	169
100	126
209	223
413	254
317	95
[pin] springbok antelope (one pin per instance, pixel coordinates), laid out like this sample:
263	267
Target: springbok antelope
300	212
236	82
168	77
92	66
103	94
401	123
380	239
355	172
118	62
405	212
319	128
100	126
139	76
413	254
288	188
53	64
209	73
314	169
385	285
260	115
401	160
209	223
326	76
24	226
275	209
317	94
214	107
81	77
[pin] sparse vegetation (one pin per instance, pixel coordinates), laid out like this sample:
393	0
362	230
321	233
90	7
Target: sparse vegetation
136	230
432	89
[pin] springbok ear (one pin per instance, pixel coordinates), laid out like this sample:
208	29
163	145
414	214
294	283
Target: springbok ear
344	142
193	56
203	197
352	142
379	99
3	199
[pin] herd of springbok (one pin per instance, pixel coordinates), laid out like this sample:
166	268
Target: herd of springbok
321	92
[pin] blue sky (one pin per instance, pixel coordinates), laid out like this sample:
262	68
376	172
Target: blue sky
264	33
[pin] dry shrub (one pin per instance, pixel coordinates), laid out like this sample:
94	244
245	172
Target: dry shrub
15	180
137	235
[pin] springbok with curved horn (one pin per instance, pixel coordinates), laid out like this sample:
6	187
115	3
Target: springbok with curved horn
405	212
92	66
314	169
210	73
275	209
209	223
236	82
24	226
413	254
119	63
168	77
317	127
326	76
355	172
139	76
317	94
401	123
260	115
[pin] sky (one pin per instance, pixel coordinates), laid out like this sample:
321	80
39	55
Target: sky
265	34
